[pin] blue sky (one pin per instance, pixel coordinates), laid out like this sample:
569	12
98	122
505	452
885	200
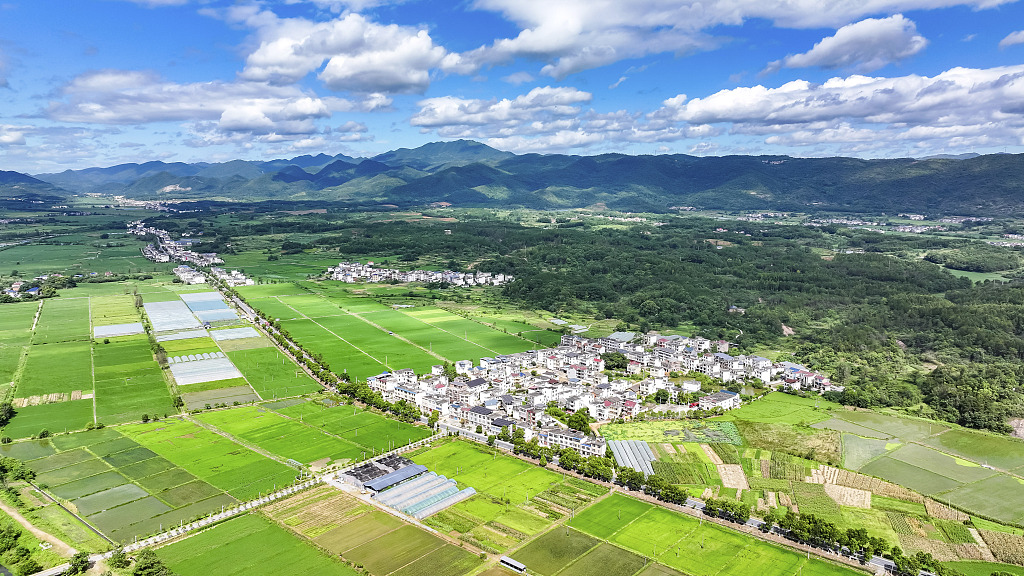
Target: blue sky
101	82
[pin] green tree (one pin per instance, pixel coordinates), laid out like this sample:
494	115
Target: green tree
6	413
78	564
147	563
118	559
579	420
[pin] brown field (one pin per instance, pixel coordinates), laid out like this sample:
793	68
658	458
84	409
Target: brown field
846	496
732	476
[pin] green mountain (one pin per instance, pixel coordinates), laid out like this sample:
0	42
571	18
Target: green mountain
471	174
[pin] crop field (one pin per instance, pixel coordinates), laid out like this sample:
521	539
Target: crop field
701	431
113	309
493	525
62	320
892	426
495	340
780	408
858	451
129	382
72	360
211	457
120	487
934	461
990	497
382	543
451	345
359	426
496	475
841	425
271	373
288	438
246	545
695	548
999	451
15	334
554	550
917	479
385	347
339	354
60	416
985	568
269	290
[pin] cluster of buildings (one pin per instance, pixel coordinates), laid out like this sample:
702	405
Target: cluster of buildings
189	275
231	278
167	250
15	291
516	390
356	272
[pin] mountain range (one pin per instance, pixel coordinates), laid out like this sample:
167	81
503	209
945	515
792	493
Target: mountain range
469	174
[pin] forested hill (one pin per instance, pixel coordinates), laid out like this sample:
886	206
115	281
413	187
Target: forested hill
470	174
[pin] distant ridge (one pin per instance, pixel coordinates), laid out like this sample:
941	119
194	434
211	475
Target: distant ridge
470	174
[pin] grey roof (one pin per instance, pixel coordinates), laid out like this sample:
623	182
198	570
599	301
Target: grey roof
481	410
392	478
622	336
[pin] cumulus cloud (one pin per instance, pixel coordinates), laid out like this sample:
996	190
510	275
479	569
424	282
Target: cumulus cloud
1012	38
360	55
13	135
575	35
543	120
246	108
960	105
867	45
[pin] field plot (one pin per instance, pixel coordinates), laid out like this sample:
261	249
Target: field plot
913	477
211	457
990	497
780	408
554	550
71	360
858	451
935	461
702	431
15	334
248	545
120	487
275	309
499	476
62	320
841	425
73	415
382	543
129	382
485	336
339	354
359	426
113	309
903	428
683	543
451	345
271	373
283	436
999	451
269	290
395	352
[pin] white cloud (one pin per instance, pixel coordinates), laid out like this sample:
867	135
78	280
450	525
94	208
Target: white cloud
518	78
13	135
868	45
1012	39
132	97
575	35
543	120
962	103
360	55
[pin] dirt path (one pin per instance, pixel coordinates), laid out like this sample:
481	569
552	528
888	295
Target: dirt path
58	545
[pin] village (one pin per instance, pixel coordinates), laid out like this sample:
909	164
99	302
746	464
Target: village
167	250
351	272
518	391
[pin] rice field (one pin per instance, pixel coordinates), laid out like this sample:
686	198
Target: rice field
355	424
247	545
120	487
210	457
496	475
271	373
683	543
781	408
379	542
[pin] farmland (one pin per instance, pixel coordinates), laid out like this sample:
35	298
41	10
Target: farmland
359	426
246	545
681	542
702	431
364	337
117	485
365	536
